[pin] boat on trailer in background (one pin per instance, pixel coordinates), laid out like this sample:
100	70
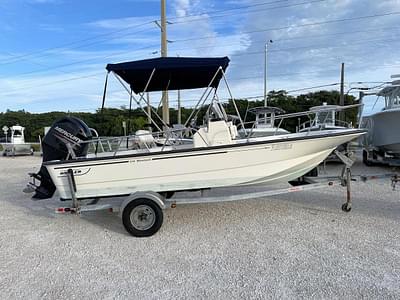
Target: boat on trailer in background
217	157
324	118
264	124
382	142
17	145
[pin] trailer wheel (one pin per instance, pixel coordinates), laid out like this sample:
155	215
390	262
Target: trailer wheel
366	161
346	207
142	217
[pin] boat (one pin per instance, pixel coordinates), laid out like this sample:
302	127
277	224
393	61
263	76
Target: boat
382	143
17	145
217	157
324	119
264	124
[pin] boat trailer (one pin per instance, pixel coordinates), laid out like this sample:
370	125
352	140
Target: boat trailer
142	212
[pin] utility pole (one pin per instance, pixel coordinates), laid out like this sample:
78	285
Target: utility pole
360	108
179	108
341	102
179	105
164	53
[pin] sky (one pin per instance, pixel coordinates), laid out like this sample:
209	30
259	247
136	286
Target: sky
53	53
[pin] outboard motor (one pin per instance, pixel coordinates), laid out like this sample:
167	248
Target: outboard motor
68	130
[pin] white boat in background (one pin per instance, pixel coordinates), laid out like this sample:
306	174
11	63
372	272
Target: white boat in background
264	124
324	119
382	143
217	157
17	145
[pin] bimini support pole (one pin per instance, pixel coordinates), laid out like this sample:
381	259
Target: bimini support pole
129	119
104	92
102	107
142	98
233	100
204	101
137	102
202	96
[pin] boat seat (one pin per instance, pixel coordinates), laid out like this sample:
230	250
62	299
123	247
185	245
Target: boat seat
216	133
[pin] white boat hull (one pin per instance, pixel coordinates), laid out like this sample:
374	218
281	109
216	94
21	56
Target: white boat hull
268	161
383	133
17	149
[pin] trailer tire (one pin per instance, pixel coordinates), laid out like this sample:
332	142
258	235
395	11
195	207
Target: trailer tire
142	217
366	161
346	207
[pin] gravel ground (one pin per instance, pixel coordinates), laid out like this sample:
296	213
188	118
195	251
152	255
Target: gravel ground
291	246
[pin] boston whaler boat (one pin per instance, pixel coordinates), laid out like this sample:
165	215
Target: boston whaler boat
217	157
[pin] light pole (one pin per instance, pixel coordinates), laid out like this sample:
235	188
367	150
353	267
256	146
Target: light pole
265	73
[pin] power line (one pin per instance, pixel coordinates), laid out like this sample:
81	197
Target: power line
292	38
75	42
147	23
228	9
84	61
253	11
147	47
232	55
38	64
261	96
355	43
124	29
13	91
130	27
298	25
224	100
253	31
230	79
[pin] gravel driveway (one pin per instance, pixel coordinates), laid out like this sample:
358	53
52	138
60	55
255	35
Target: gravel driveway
290	246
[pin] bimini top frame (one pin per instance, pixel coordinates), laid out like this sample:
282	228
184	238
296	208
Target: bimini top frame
171	73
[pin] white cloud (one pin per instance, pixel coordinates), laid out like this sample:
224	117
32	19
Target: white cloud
182	7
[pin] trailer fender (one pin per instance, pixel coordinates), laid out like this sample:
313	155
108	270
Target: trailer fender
156	197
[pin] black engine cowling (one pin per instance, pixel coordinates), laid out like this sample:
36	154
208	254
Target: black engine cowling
66	130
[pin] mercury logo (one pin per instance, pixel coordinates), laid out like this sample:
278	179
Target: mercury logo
68	135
